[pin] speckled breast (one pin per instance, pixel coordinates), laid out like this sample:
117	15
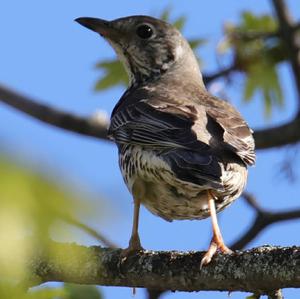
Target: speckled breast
150	179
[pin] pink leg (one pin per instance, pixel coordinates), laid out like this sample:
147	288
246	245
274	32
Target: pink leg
217	240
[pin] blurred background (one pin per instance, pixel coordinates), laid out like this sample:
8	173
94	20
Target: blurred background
47	174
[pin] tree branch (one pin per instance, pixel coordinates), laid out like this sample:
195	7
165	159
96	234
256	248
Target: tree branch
151	294
154	294
277	136
222	73
288	133
266	268
64	120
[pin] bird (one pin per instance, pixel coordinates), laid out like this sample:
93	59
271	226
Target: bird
183	153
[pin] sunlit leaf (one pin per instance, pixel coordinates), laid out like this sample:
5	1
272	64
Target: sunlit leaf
264	80
246	51
197	42
249	88
34	199
165	15
31	204
114	74
262	23
257	57
179	23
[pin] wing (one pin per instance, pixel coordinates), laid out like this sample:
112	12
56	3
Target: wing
157	127
191	137
236	136
168	130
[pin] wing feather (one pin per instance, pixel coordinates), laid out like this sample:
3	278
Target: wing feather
189	135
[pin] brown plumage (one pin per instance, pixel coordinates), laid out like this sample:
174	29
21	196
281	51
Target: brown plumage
183	153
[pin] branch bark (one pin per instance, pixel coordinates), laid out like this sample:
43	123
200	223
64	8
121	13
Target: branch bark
277	136
266	268
64	120
208	78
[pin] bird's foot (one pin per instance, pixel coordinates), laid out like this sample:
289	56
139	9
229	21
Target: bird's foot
213	247
134	247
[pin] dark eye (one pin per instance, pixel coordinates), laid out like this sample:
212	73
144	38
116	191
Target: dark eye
144	31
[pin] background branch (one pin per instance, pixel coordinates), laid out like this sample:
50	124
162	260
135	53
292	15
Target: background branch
285	134
207	79
281	135
262	220
64	120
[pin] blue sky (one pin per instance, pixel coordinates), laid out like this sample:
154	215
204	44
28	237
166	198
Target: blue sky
45	54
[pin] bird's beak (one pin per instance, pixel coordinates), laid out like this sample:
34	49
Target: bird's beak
103	27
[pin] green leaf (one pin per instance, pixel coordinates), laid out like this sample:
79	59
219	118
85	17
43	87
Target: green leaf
261	23
165	15
257	58
248	50
197	42
179	23
76	291
114	74
249	88
32	205
264	80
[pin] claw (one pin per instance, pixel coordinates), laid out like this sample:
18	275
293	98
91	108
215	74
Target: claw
134	246
209	254
213	248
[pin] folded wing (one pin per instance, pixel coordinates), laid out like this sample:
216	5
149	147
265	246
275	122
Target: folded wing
189	137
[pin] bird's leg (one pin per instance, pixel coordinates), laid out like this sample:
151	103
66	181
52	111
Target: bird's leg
134	242
217	240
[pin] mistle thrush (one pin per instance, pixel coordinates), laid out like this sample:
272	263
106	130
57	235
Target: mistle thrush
183	153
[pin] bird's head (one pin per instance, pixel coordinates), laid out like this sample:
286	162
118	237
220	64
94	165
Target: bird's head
148	47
